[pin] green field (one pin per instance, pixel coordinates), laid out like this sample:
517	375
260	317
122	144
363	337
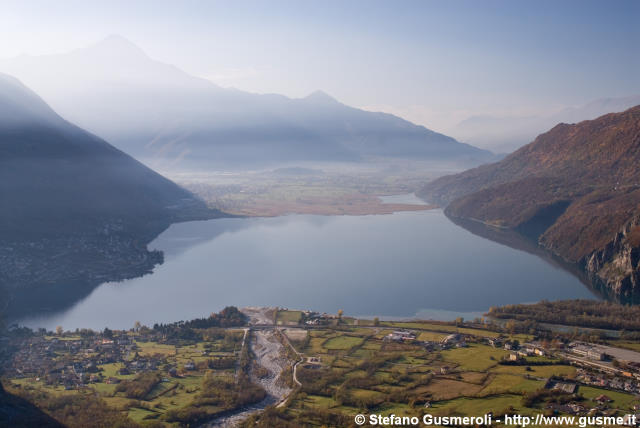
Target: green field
288	317
476	357
152	348
172	393
364	371
620	399
342	342
359	371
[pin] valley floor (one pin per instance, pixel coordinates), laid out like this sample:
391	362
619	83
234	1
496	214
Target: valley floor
332	190
301	368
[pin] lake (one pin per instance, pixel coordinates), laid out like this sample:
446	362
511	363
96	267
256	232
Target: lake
403	265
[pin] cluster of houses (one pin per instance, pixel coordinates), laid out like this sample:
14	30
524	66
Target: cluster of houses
450	341
71	363
400	336
603	380
521	352
75	363
526	349
454	341
24	263
599	405
609	377
315	318
595	370
517	351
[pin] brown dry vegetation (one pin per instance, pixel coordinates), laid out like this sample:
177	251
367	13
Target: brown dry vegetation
634	236
352	204
574	187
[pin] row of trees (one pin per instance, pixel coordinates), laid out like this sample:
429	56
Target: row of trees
228	317
140	386
580	313
272	417
220	393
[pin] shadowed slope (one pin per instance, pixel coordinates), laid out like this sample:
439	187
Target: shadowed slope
56	178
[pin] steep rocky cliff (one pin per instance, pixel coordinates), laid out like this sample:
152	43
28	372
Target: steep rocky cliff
575	190
617	263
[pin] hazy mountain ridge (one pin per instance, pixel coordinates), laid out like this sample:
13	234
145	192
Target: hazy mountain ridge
75	210
576	189
52	170
155	111
508	133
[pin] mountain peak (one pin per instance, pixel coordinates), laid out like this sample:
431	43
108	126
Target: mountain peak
116	45
320	97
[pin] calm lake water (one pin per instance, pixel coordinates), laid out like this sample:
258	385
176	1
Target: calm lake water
403	265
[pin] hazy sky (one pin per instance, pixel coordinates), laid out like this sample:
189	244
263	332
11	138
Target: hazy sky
432	62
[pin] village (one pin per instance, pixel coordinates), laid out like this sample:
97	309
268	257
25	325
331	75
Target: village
436	367
94	259
76	362
597	366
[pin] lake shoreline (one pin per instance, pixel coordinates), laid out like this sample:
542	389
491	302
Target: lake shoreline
401	265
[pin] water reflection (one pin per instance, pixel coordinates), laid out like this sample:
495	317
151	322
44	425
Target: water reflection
395	265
